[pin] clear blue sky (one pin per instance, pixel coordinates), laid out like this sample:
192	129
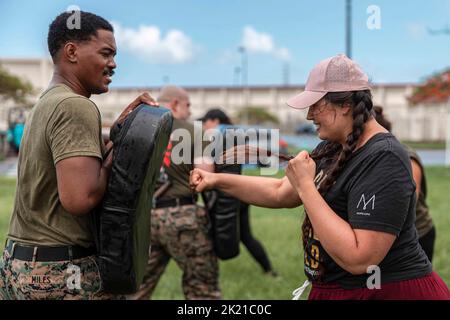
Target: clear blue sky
198	39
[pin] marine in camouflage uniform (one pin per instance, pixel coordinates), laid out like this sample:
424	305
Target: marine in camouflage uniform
50	235
66	280
181	232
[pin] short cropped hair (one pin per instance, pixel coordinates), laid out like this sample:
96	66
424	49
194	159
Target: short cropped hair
59	33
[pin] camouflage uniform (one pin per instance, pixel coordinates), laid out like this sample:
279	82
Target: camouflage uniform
27	280
182	233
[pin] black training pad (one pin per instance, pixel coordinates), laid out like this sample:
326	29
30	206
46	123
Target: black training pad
122	221
223	210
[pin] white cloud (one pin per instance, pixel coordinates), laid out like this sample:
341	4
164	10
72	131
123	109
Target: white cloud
260	42
416	30
148	43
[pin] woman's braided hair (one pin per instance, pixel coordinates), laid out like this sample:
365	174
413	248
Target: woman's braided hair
333	155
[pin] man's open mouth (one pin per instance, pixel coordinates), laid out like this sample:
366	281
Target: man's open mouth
108	74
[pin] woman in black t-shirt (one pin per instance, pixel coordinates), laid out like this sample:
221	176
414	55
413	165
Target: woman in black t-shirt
358	193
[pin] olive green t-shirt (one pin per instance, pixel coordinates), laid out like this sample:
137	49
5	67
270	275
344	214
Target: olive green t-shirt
178	160
61	125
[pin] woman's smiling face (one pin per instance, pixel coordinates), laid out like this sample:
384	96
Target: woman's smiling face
332	122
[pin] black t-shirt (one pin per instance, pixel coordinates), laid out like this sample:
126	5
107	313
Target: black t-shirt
374	191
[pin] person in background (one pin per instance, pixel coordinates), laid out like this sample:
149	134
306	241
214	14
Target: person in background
212	120
179	226
424	222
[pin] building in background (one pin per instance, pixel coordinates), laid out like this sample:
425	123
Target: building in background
414	123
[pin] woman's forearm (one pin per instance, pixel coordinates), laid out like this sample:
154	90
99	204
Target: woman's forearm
335	234
258	191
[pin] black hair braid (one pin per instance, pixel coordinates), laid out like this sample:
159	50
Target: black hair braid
329	151
336	154
361	113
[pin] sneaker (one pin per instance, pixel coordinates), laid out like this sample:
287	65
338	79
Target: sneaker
272	273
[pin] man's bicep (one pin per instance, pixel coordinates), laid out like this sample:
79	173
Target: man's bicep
76	176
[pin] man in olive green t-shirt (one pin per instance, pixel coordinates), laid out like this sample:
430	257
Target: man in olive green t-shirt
61	172
180	227
62	125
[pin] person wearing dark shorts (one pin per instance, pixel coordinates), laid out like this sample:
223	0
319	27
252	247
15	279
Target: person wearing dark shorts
358	193
213	119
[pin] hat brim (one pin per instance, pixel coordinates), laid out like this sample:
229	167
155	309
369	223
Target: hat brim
305	99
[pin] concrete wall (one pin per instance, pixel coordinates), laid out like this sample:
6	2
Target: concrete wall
417	123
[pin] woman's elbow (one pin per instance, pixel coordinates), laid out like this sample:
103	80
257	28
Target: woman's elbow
360	267
356	270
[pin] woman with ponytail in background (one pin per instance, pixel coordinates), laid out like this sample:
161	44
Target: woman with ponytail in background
358	192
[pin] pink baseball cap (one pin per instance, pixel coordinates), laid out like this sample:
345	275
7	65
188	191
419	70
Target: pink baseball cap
335	74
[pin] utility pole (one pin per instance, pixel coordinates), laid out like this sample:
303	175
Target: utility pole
286	73
244	66
348	28
236	73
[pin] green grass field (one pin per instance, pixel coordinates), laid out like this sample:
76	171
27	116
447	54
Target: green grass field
430	145
278	230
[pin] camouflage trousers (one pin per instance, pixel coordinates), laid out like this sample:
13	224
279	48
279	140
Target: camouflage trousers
182	233
63	280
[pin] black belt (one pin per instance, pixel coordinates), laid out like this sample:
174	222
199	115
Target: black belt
63	253
175	202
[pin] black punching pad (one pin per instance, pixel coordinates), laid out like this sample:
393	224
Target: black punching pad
223	210
122	221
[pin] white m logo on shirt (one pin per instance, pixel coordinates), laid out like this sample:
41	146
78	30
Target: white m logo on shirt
365	203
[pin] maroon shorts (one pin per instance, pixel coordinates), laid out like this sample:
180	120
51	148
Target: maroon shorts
430	287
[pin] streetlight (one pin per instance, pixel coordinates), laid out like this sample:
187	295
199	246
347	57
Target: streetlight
244	67
244	73
237	72
286	73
